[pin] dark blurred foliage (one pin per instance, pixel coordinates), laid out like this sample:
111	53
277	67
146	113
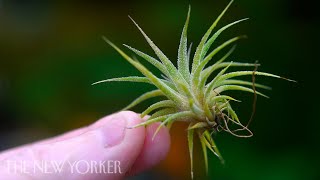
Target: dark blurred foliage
51	51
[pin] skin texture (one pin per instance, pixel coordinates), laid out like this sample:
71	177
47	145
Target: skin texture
105	140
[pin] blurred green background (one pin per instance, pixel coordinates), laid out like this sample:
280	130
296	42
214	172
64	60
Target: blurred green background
51	51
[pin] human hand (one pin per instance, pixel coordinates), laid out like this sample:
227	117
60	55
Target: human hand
106	149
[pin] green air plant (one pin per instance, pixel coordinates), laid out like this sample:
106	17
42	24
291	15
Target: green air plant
191	95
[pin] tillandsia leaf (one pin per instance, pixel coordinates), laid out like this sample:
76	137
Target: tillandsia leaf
205	153
211	85
189	56
215	36
195	108
216	50
143	97
209	70
175	75
208	113
208	145
191	98
220	78
163	112
223	97
169	125
199	50
169	92
152	120
190	145
125	79
172	117
222	105
213	145
241	82
166	119
233	113
227	104
198	125
161	104
243	73
220	60
223	88
197	72
150	59
183	60
222	108
135	79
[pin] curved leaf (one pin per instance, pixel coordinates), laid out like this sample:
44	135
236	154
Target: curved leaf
161	104
183	60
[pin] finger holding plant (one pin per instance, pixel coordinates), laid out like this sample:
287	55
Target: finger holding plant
190	95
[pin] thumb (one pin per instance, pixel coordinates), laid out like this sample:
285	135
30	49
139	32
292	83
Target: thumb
105	150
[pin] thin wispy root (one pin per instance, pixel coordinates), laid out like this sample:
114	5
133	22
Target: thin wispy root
191	95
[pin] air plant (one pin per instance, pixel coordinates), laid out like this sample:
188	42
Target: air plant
191	95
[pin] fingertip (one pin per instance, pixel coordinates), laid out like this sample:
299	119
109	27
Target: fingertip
154	150
130	116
